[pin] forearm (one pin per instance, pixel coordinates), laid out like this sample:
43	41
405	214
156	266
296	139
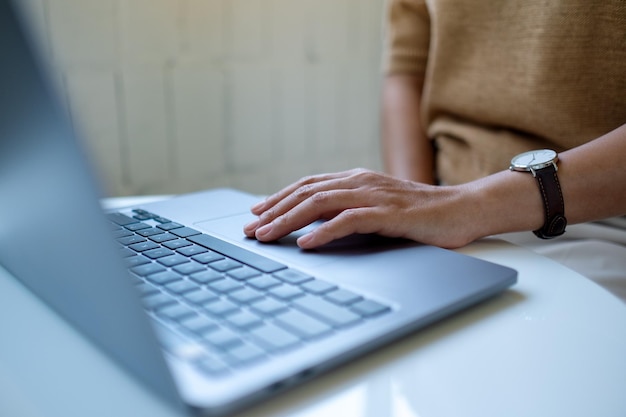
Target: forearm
407	152
592	178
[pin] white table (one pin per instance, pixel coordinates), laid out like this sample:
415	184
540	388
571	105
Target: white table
554	345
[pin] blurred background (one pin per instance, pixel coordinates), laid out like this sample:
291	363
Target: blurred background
174	96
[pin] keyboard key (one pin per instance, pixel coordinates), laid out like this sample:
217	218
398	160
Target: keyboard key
225	285
146	289
268	307
168	225
286	292
137	226
318	286
144	213
122	233
189	268
141	217
173	260
264	282
342	297
249	258
184	231
292	276
182	287
206	276
223	338
154	301
243	273
113	227
198	324
149	231
136	260
302	324
191	250
225	265
147	269
176	312
221	308
129	240
125	252
143	246
164	277
157	253
369	308
273	337
245	295
244	320
201	297
207	257
162	237
120	219
176	244
326	311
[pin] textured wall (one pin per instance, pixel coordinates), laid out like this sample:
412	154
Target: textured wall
181	95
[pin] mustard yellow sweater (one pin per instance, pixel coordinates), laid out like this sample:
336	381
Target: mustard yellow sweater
504	76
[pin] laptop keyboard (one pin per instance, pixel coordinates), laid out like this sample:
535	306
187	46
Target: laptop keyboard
222	306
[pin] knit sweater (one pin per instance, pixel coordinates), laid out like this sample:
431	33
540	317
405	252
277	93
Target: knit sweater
504	76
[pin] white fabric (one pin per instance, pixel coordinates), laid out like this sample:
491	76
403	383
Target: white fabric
596	251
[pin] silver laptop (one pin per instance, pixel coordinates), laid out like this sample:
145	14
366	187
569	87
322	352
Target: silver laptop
174	292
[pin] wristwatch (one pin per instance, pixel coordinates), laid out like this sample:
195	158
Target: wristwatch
542	164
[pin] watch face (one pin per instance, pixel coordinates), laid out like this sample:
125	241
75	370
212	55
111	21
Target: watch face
535	159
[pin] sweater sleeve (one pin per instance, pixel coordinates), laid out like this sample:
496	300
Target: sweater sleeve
407	37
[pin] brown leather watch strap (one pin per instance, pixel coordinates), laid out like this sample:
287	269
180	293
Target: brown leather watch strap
553	203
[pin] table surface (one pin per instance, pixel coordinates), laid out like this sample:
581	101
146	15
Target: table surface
553	345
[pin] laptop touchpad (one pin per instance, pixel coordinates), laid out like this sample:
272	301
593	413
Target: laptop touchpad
286	249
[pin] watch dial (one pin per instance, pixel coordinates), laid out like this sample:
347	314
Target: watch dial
531	158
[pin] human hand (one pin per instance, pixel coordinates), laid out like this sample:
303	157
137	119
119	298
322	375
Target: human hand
362	201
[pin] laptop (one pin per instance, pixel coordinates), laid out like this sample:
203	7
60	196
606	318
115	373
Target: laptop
211	321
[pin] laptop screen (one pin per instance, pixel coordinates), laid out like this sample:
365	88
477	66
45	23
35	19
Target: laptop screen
53	236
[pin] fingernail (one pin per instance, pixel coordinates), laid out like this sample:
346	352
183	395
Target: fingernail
263	231
257	206
303	241
251	226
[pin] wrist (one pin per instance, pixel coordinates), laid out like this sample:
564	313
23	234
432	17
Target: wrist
504	202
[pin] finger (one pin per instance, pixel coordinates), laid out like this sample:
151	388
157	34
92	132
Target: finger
274	199
250	228
322	205
282	207
314	191
348	222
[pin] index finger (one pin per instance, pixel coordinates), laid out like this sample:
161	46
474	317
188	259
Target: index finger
277	197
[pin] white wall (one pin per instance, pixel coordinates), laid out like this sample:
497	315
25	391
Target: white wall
181	95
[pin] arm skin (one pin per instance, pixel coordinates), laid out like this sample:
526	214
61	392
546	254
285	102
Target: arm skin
407	152
592	177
